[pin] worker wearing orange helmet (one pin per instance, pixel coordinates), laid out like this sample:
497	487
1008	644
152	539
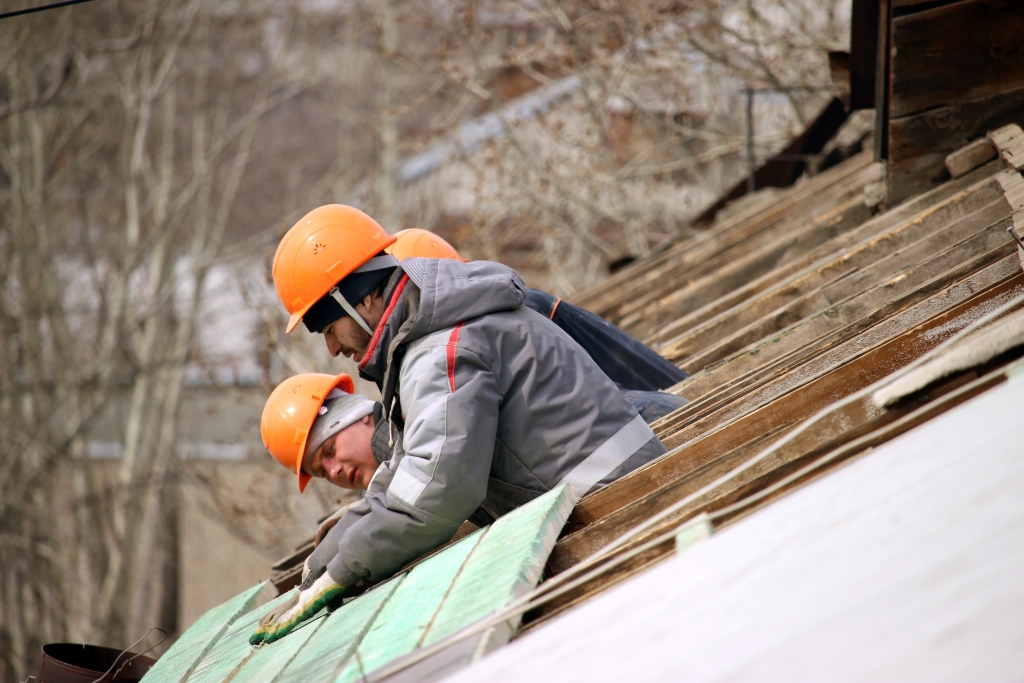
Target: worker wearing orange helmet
488	404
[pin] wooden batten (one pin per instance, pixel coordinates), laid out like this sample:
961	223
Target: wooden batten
969	157
796	395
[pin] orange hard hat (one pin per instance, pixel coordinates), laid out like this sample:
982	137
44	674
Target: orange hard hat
423	244
289	414
328	244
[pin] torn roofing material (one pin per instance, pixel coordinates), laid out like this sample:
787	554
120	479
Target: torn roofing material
441	595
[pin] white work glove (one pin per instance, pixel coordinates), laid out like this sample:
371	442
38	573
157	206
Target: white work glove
286	617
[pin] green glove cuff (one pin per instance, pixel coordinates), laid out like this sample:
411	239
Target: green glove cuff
323	593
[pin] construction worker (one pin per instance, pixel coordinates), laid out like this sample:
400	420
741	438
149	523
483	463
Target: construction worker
489	404
640	372
301	424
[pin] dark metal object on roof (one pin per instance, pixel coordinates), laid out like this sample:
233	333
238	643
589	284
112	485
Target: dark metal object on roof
80	663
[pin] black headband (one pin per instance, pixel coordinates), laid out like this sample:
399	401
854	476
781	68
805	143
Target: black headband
354	288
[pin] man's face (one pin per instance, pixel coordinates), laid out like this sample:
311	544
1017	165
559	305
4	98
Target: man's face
346	459
345	337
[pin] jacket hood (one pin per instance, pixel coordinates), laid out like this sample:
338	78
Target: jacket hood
451	291
443	293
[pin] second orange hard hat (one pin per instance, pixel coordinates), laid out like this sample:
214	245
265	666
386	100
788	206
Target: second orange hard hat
290	412
420	243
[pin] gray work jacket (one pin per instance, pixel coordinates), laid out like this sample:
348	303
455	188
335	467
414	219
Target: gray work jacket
491	404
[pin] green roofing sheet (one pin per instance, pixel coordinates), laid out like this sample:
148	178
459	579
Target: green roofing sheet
436	598
179	661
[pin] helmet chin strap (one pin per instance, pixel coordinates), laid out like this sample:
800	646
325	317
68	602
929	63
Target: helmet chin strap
352	313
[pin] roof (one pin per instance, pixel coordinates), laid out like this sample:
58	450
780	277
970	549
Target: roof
418	607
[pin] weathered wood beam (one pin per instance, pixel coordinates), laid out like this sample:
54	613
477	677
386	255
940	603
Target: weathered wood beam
780	278
919	143
890	276
962	51
723	275
844	370
606	298
866	358
704	259
870	247
795	347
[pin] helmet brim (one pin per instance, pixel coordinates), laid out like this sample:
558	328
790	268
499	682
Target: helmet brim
343	382
294	320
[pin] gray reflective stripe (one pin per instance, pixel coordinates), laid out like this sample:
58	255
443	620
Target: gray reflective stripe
609	455
336	295
378	263
405	487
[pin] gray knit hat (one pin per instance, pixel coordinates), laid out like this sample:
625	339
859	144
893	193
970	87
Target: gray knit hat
339	410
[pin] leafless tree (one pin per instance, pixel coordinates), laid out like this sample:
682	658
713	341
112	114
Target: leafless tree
125	135
636	123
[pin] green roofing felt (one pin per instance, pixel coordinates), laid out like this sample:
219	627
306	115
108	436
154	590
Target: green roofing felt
334	642
404	621
506	564
179	661
436	598
233	649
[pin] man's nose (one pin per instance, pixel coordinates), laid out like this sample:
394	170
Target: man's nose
334	468
333	345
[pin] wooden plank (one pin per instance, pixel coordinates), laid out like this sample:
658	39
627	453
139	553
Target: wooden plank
723	277
969	157
947	193
181	659
642	276
327	651
919	143
962	51
588	537
724	400
870	248
704	259
813	336
1009	140
832	375
233	649
889	277
846	369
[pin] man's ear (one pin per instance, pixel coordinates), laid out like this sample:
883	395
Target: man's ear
368	420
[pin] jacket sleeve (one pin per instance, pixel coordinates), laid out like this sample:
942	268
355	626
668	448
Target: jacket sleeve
438	477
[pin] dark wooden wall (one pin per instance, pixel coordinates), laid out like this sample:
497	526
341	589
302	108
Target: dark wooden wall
956	71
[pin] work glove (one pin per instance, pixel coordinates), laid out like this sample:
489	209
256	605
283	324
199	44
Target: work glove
289	615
